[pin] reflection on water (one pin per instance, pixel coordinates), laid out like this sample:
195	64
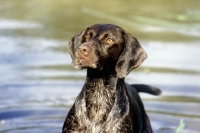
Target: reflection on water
38	85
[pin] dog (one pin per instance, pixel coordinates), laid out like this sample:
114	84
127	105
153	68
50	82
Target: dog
106	103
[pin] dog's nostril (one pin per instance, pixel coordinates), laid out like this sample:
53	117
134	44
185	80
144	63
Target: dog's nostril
84	49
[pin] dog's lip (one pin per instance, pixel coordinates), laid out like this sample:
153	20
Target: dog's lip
83	58
78	66
82	61
94	65
85	63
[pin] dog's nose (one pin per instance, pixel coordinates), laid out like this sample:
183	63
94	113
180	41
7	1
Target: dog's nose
84	49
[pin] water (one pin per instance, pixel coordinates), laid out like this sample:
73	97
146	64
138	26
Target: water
38	85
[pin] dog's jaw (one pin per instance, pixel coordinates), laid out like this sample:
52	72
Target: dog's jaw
82	63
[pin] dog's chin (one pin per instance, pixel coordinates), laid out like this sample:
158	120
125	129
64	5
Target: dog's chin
90	66
79	67
81	64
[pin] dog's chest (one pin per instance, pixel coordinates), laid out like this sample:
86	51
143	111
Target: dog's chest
103	112
99	101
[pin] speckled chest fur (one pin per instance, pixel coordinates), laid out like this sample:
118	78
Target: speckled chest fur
102	108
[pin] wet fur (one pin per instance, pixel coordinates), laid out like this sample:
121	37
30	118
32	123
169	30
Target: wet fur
106	104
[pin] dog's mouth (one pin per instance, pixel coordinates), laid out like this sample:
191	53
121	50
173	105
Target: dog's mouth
82	62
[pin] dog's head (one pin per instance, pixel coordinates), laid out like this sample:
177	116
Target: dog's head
106	46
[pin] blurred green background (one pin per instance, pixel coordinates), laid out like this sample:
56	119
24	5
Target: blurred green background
38	84
154	20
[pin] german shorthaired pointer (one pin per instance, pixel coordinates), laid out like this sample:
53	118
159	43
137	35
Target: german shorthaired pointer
106	104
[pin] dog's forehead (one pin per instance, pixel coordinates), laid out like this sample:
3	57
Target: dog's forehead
109	28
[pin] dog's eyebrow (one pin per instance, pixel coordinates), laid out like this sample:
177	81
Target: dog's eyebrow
107	35
89	31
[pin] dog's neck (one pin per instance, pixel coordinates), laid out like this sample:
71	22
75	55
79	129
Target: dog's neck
102	101
104	79
101	74
100	94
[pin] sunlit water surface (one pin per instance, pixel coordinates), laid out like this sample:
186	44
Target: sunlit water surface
38	85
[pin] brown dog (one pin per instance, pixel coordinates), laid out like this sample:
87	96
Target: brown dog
106	103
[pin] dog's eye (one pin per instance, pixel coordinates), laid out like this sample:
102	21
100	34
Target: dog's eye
87	36
109	41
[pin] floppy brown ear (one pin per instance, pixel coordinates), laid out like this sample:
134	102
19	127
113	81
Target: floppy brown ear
132	56
73	46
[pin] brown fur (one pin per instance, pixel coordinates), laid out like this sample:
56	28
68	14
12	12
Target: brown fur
106	104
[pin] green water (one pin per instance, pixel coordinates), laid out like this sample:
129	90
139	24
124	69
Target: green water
36	75
147	20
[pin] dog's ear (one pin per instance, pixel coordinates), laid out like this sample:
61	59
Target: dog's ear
132	56
73	46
